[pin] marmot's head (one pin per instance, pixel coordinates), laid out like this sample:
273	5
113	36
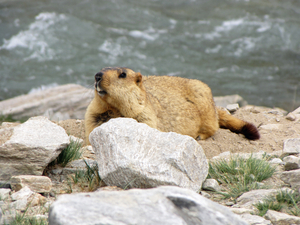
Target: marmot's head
109	79
120	87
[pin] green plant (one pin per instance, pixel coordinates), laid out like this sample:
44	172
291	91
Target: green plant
24	219
284	200
240	175
9	118
70	153
90	177
20	219
268	203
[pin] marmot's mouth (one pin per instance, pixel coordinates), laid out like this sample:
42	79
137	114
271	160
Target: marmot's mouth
100	91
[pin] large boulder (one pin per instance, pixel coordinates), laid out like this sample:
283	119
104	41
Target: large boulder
132	154
163	205
57	103
30	147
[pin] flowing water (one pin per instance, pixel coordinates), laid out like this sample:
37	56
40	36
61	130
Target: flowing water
245	47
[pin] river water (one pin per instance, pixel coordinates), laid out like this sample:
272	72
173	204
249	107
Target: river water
245	47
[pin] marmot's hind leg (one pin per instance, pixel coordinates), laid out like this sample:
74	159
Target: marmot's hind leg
209	126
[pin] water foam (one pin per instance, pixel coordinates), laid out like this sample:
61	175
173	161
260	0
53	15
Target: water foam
37	38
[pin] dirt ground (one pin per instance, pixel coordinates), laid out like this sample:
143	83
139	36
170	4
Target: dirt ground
273	125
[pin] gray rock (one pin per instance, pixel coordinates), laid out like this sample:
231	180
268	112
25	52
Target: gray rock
57	103
291	178
132	154
32	146
278	218
164	205
211	185
291	146
291	162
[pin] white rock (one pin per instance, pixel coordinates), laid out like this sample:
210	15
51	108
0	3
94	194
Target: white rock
160	206
4	193
291	146
32	146
132	154
25	197
21	194
278	218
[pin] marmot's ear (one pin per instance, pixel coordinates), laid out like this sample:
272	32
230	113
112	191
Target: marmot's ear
139	78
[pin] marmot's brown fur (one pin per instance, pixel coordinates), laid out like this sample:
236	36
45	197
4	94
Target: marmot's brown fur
166	103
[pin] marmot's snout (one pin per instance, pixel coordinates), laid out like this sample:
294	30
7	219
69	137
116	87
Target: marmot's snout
98	79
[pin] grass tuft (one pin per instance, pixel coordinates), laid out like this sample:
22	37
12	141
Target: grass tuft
89	178
70	153
284	201
240	175
27	220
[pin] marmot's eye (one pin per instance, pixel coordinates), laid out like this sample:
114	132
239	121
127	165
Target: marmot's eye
122	75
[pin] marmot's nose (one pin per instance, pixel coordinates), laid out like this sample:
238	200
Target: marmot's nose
98	77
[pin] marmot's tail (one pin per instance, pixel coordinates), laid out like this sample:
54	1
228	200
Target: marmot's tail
237	126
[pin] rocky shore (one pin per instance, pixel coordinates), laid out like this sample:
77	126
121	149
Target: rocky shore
164	172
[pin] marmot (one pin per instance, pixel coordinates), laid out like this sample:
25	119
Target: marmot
181	105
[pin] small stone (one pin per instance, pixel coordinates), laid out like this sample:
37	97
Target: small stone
211	185
76	139
23	193
276	161
229	203
205	194
291	162
291	116
232	107
271	127
24	197
291	146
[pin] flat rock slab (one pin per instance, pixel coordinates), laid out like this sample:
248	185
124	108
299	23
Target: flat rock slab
131	154
58	103
31	147
164	205
39	184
